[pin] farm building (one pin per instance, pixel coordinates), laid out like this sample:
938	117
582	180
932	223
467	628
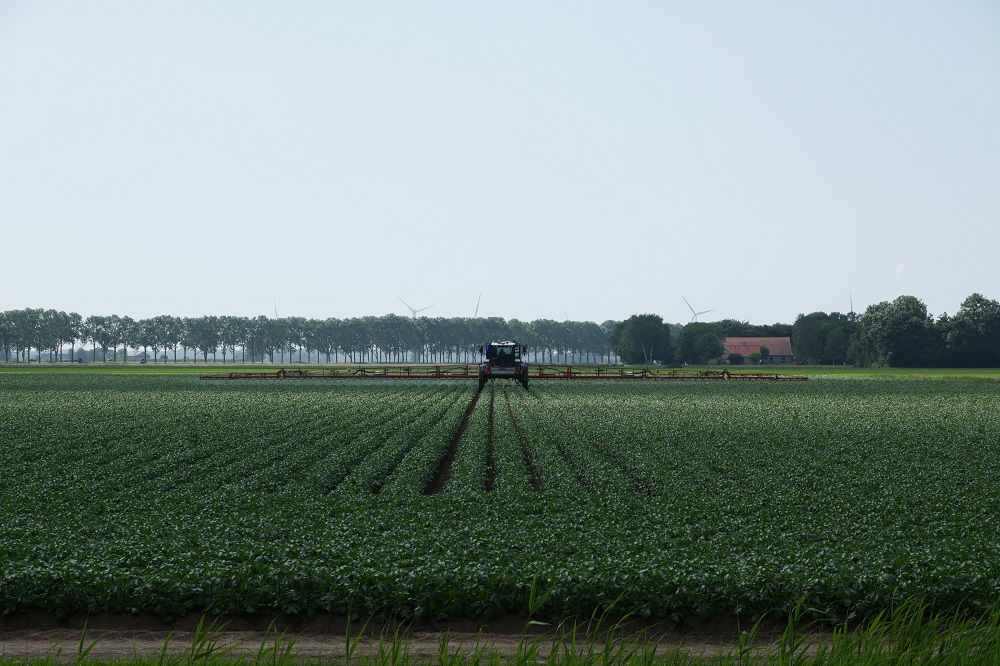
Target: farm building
779	348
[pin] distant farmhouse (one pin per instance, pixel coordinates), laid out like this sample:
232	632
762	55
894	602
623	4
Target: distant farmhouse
779	348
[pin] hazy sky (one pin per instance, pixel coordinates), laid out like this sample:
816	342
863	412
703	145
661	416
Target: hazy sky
580	160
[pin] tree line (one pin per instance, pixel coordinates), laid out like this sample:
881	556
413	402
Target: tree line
898	333
58	336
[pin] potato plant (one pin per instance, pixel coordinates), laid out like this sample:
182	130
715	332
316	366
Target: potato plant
160	493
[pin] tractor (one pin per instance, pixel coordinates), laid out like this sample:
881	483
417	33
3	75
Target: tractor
504	360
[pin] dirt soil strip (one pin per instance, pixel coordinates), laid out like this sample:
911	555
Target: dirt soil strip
529	462
443	471
491	472
125	636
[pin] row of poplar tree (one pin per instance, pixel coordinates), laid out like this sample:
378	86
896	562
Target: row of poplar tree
899	333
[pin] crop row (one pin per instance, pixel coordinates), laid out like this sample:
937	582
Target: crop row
166	494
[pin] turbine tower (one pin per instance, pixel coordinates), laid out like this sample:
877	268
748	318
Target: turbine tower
476	315
694	315
413	311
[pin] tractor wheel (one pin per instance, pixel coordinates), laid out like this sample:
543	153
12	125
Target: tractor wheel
482	382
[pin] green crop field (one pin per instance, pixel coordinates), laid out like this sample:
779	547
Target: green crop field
157	492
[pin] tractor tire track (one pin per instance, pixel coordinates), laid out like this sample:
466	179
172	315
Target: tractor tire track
491	471
443	471
529	462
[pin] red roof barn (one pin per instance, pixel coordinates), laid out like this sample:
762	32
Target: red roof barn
779	348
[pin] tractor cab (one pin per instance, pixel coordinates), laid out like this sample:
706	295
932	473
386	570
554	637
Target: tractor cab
503	359
502	354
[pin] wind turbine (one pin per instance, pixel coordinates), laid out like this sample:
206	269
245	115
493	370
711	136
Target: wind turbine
414	312
476	316
695	314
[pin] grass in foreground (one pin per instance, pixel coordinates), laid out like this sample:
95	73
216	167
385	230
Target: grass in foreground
911	634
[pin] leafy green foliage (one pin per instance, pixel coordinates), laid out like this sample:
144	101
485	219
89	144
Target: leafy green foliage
643	339
158	492
699	342
900	334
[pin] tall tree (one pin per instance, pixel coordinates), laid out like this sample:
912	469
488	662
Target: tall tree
203	334
172	333
899	334
71	333
231	332
973	334
822	338
129	333
145	337
699	342
6	334
98	331
643	339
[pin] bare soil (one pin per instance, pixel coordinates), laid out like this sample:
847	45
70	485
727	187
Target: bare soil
124	636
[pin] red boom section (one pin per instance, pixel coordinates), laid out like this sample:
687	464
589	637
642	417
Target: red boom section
534	372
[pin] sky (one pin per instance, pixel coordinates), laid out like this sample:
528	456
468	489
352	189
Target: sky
560	160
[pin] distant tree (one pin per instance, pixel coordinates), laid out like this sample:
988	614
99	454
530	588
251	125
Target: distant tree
72	332
229	335
776	330
47	333
115	334
354	336
6	334
765	354
699	342
128	333
835	349
320	336
390	335
203	335
172	333
155	330
593	340
145	336
608	329
544	336
733	328
972	336
26	325
99	332
809	333
643	339
822	338
899	334
295	336
755	358
736	358
257	338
